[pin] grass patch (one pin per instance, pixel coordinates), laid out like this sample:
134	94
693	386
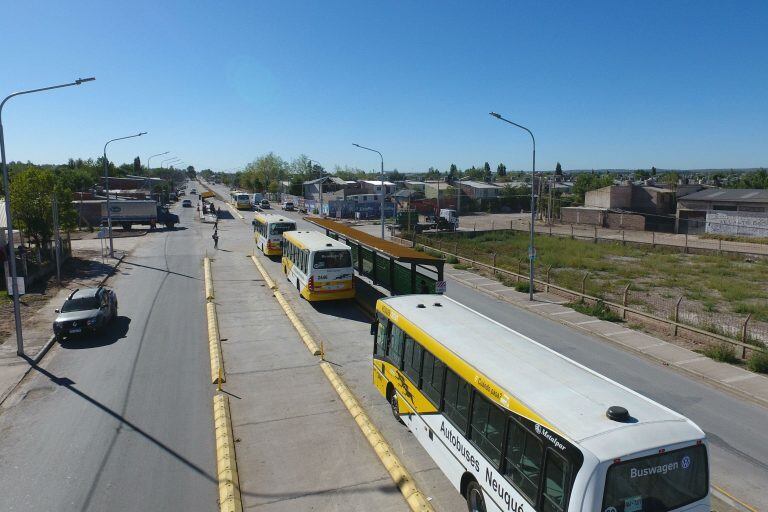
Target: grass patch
722	352
4	298
735	238
452	260
758	362
524	287
598	309
758	311
461	266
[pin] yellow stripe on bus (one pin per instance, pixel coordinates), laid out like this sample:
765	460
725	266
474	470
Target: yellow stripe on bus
479	381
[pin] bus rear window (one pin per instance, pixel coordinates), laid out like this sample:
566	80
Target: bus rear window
657	483
279	228
332	259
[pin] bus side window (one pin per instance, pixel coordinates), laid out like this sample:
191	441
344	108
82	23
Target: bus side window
487	432
395	349
556	477
382	338
412	358
432	378
456	400
523	460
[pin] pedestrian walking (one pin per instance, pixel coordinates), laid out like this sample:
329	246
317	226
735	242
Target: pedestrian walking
215	239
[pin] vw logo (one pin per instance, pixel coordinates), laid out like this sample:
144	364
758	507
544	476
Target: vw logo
686	462
610	509
74	324
537	428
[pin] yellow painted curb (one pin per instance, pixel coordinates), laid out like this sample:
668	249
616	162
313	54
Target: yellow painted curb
400	475
303	333
214	347
226	462
234	210
416	500
208	278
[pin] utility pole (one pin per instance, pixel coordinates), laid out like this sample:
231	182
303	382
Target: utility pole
57	245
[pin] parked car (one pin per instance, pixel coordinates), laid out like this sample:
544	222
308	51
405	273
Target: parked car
85	311
265	204
288	206
193	191
186	203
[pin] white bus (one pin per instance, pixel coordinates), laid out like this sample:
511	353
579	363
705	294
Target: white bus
319	266
517	427
268	232
240	200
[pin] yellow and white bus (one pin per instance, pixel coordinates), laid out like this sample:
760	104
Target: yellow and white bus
240	200
319	266
517	427
268	232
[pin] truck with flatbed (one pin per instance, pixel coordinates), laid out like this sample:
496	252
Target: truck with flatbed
129	212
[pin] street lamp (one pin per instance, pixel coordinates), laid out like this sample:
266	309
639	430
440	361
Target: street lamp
382	184
153	156
531	249
169	160
106	188
6	187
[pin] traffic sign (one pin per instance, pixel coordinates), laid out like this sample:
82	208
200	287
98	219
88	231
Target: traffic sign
440	287
102	233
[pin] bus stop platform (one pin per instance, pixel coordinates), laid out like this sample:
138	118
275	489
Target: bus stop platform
400	270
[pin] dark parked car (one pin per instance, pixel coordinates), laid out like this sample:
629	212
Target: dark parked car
186	203
85	311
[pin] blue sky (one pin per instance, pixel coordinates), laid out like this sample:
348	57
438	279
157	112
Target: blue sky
675	84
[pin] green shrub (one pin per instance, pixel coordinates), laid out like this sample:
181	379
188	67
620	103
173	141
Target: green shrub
524	287
452	259
461	266
598	309
758	362
722	352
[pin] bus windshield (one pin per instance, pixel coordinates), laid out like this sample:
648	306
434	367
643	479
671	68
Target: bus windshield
242	197
332	259
278	228
657	483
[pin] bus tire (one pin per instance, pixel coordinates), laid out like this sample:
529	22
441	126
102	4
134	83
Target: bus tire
475	499
393	403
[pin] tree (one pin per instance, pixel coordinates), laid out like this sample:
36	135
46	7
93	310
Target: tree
558	169
590	181
31	197
137	166
653	171
191	174
487	176
501	170
432	174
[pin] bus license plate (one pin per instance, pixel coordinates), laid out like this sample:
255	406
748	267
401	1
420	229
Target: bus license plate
75	330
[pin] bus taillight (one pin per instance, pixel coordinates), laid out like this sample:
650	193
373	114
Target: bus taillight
311	283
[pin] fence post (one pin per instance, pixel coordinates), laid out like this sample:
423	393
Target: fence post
550	229
494	264
456	249
571	231
677	314
720	246
595	241
686	243
548	269
584	285
511	224
653	239
474	226
517	276
623	242
493	224
744	336
624	301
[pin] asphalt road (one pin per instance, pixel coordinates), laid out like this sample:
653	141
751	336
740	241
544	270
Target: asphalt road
122	420
737	429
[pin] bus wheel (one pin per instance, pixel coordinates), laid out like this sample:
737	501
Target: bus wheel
475	500
394	405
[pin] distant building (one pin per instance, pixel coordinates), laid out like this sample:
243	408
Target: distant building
633	198
479	189
375	187
434	188
741	212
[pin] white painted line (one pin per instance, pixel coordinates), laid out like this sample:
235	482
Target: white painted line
626	331
546	304
739	378
563	312
692	360
654	345
587	322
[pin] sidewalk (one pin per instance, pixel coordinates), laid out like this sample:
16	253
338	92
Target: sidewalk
36	326
753	386
299	448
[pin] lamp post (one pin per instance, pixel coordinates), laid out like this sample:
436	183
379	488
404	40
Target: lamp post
531	249
6	187
106	188
169	160
153	156
382	184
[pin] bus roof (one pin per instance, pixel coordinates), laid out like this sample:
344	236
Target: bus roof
573	398
314	240
268	218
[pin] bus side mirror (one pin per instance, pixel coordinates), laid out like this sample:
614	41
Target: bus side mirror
374	327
